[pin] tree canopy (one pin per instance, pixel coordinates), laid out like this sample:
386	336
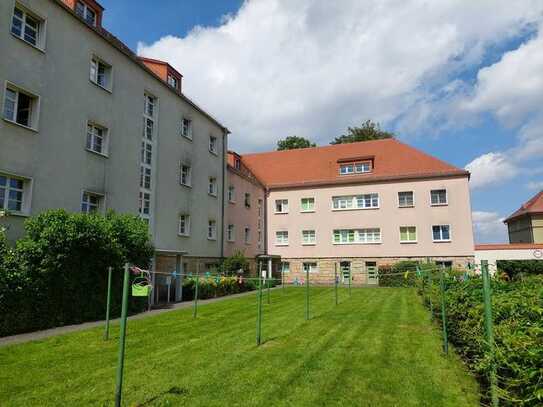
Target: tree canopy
293	142
368	131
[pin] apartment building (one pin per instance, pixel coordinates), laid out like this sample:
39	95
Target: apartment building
89	126
525	225
244	212
357	206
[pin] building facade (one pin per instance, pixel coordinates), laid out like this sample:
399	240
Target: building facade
362	205
525	225
89	126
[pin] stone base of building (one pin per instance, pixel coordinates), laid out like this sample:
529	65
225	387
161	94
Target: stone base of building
362	269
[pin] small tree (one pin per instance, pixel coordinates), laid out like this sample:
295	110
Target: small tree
236	262
368	131
294	142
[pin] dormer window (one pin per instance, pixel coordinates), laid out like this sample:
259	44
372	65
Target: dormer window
237	163
173	82
355	168
86	13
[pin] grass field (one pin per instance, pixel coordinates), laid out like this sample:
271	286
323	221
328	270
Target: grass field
376	348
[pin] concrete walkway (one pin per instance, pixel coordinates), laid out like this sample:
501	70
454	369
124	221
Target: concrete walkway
35	336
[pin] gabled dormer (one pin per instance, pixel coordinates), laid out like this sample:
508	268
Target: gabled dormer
89	10
165	71
355	165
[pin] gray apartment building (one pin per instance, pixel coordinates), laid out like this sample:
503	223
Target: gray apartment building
89	126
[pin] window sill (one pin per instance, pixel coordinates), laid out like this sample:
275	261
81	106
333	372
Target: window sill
97	153
108	90
281	244
311	211
406	206
216	154
213	239
354	209
17	214
187	137
213	195
21	125
231	202
409	242
36	47
440	204
281	213
231	241
309	244
355	243
186	186
183	235
442	241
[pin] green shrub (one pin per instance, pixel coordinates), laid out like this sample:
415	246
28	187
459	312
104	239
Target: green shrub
401	274
57	273
212	287
517	268
518	331
236	262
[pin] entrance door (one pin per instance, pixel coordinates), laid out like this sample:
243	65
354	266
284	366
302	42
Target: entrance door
371	269
345	267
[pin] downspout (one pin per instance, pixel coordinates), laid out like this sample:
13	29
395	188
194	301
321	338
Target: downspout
266	194
224	149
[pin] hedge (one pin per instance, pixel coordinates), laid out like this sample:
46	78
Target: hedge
212	287
57	273
518	331
514	268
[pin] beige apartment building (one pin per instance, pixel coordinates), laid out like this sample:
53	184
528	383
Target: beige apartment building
361	205
525	225
88	126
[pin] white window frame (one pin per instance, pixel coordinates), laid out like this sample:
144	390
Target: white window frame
173	81
439	203
412	198
100	207
34	114
212	186
306	237
85	13
41	26
211	229
185	174
142	206
213	144
184	219
408	241
247	200
231	233
350	202
302	210
284	206
309	265
105	138
231	194
441	240
280	239
26	194
360	236
247	235
94	73
186	128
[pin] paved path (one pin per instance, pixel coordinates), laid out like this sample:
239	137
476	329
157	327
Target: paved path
34	336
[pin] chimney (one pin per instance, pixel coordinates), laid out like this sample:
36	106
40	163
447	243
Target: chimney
89	10
165	71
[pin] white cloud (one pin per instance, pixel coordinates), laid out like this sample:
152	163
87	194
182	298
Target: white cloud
491	168
489	227
313	67
537	185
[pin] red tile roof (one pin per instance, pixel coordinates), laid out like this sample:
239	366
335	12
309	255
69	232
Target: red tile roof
534	205
391	158
509	246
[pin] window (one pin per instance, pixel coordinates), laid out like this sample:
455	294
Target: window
85	12
285	267
260	207
231	194
90	203
366	201
308	204
408	234
97	139
27	27
185	178
310	267
173	82
184	225
212	230
237	163
231	233
212	188
281	238
12	193
357	236
406	199
438	196
441	233
213	144
100	73
247	200
259	238
144	204
146	153
145	177
358	168
308	237
281	206
247	234
149	106
21	107
186	128
444	264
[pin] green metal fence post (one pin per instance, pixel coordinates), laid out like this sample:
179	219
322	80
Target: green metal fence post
444	312
307	294
259	307
431	284
108	302
269	291
335	281
195	310
489	331
282	279
122	339
350	278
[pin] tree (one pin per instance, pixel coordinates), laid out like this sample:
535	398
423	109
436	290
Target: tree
293	142
368	131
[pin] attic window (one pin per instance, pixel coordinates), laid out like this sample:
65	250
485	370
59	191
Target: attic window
173	81
85	12
355	168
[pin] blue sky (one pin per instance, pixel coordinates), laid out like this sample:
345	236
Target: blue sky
462	82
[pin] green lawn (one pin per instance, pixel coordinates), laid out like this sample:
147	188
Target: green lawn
376	348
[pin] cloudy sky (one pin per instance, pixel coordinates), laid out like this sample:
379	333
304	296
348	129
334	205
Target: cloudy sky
462	80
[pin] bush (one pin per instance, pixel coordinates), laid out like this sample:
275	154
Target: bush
236	262
212	287
515	268
401	274
57	273
518	332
